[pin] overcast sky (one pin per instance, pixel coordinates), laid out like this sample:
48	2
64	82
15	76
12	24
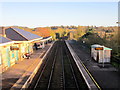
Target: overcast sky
36	14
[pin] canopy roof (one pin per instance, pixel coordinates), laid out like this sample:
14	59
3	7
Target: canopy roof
26	34
4	40
97	45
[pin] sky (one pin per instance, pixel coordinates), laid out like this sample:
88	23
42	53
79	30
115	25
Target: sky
41	14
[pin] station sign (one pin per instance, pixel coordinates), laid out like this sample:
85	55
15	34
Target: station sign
17	43
99	48
14	48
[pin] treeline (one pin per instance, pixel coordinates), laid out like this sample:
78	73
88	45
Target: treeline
107	36
64	27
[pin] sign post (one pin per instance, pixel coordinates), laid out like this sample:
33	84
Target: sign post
103	58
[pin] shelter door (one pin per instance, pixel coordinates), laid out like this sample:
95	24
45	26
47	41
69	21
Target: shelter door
97	58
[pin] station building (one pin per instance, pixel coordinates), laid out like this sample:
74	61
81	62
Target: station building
8	57
15	43
24	40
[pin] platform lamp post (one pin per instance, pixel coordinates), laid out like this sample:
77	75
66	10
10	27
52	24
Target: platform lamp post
103	58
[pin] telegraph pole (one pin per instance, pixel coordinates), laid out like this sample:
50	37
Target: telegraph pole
118	32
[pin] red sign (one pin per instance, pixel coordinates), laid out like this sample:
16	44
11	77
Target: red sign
14	48
99	48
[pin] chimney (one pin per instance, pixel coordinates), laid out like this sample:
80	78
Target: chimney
3	32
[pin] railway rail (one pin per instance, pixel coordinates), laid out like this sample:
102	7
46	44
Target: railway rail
47	71
59	71
70	78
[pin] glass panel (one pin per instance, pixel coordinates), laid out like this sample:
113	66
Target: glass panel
13	55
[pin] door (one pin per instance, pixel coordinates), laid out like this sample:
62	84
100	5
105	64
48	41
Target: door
8	57
97	58
28	49
17	55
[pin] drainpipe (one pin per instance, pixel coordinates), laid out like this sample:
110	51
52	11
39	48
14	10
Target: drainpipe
43	45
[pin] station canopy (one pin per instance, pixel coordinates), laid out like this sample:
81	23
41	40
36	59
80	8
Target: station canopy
46	38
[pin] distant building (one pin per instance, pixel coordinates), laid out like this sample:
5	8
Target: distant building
71	35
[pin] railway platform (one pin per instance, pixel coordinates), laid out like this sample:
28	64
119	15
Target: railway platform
107	77
17	75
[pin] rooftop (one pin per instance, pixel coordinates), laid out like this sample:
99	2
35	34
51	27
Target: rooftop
97	45
4	40
26	34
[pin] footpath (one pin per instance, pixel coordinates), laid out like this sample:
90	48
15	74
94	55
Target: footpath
21	71
107	77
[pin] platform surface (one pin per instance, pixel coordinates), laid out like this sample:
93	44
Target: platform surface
26	66
107	77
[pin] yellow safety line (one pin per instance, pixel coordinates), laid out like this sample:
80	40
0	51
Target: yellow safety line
91	76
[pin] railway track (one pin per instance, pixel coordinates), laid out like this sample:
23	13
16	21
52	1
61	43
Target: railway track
59	71
70	79
45	77
57	77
